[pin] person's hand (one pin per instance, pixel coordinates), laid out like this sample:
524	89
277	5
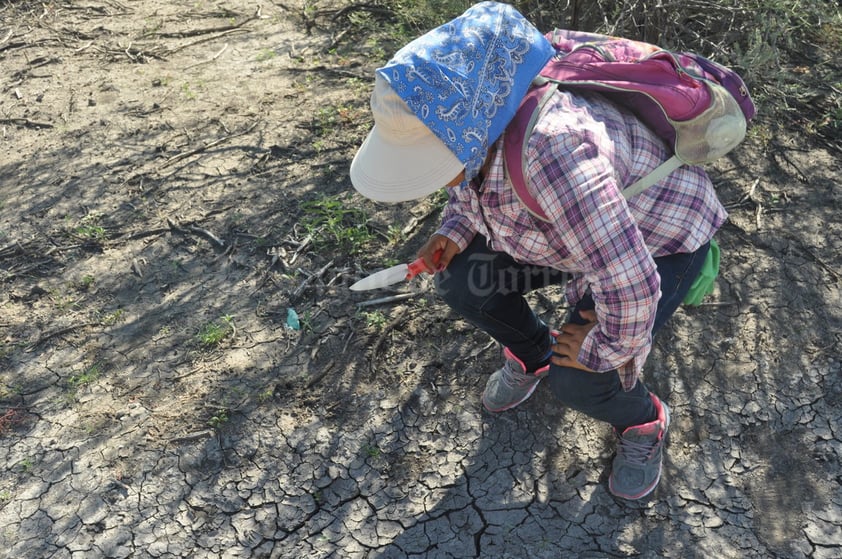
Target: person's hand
569	342
438	243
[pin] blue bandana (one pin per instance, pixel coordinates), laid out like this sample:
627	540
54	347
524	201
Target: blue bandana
465	79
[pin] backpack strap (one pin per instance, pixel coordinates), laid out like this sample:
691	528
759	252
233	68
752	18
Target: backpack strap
660	172
517	135
515	138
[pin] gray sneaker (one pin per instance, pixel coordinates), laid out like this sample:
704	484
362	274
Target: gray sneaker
510	385
637	467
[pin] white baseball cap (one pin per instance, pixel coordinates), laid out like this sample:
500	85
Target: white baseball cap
401	159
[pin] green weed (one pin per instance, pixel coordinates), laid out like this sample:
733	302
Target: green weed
218	419
187	91
86	377
305	319
8	391
91	231
113	317
374	319
89	228
266	54
212	333
372	451
266	394
396	235
62	300
334	223
26	465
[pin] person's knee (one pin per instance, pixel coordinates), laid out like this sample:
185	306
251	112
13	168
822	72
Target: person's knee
455	290
582	390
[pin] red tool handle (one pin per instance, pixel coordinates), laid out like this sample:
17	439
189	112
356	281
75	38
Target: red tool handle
418	266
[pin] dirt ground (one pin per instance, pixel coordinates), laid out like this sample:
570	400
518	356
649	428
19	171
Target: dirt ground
161	164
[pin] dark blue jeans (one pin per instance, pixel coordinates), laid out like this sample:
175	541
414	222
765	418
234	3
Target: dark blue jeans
487	288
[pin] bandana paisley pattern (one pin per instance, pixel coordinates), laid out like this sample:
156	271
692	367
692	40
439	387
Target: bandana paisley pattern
465	79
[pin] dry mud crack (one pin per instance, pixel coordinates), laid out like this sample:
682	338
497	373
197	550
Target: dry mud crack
157	160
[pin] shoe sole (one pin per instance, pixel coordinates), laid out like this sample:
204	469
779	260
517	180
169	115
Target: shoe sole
515	404
654	484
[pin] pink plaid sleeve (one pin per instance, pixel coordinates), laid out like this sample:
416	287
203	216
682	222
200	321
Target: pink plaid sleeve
455	225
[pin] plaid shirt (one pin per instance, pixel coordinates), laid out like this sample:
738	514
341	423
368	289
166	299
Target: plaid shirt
582	151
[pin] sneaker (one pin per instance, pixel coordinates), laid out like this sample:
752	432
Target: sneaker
637	467
511	385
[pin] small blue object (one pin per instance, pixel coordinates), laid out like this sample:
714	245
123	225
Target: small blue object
292	319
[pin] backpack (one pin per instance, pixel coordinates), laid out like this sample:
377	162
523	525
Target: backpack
700	108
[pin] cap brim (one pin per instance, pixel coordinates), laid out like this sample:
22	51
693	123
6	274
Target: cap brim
385	172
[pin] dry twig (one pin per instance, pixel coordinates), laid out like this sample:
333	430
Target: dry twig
25	123
196	230
55	333
310	279
200	149
389	299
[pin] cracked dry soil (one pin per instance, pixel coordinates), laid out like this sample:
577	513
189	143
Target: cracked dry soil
156	163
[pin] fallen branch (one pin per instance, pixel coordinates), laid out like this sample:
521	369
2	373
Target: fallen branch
198	32
11	250
211	59
204	40
149	233
196	230
55	333
25	123
192	437
25	269
320	374
375	349
310	279
220	32
389	299
207	146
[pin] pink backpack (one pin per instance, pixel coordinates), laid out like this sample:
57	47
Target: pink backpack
700	108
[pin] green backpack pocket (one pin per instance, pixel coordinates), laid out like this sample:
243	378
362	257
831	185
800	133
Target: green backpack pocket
705	281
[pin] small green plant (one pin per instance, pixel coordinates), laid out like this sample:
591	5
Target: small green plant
218	419
5	496
372	451
91	231
266	394
266	54
86	281
319	146
62	300
26	465
374	319
187	92
113	317
212	333
7	390
396	235
89	228
326	120
86	377
306	321
332	222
